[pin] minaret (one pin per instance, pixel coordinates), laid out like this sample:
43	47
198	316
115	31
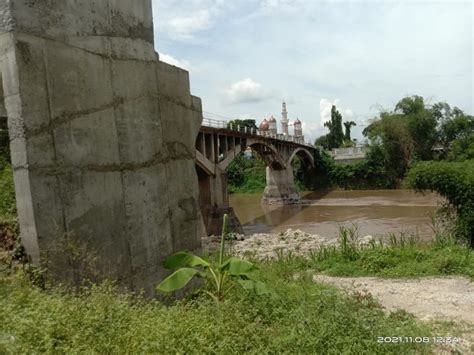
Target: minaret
284	119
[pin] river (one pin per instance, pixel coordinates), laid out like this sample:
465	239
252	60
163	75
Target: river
375	212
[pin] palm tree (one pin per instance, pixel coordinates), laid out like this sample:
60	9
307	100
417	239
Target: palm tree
348	125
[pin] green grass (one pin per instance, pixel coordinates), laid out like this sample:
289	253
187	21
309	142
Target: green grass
305	318
405	259
7	191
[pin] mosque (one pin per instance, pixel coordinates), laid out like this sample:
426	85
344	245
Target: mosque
269	127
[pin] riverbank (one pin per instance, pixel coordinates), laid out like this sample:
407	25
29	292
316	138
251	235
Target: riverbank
354	255
308	314
433	281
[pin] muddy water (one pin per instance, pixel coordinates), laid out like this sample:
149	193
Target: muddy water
375	212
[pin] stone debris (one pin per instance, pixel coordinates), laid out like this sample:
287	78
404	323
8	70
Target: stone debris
270	245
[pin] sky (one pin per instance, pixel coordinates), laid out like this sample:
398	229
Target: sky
245	57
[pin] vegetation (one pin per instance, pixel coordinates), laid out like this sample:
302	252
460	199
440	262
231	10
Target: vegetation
242	123
217	276
347	132
306	317
416	132
336	138
7	191
403	256
246	174
455	182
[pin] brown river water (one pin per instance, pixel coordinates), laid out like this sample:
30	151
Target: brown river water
375	212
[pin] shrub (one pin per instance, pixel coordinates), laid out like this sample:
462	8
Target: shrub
7	190
455	182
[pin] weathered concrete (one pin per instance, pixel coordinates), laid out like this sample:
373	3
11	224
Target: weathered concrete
102	135
213	194
280	187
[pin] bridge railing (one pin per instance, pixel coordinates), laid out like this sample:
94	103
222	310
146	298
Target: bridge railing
213	123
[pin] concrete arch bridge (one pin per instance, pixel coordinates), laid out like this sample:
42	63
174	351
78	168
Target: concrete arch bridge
218	143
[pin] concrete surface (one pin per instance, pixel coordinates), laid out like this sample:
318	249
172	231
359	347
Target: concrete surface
102	137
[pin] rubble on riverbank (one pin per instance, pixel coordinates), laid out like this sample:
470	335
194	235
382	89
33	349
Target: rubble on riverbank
271	245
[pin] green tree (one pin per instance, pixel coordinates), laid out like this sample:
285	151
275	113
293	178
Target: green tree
455	182
421	125
347	133
391	134
335	137
456	132
322	142
243	123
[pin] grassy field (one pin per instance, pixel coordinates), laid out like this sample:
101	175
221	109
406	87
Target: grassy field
303	317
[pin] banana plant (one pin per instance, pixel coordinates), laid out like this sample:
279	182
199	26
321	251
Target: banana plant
189	266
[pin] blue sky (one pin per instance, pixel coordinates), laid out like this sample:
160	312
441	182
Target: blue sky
246	56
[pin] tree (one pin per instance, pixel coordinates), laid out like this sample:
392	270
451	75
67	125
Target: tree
455	133
243	123
390	132
322	142
335	137
421	124
348	125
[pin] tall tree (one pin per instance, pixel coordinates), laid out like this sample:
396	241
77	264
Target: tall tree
335	137
348	125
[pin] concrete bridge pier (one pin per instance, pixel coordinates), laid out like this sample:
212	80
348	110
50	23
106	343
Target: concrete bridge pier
280	189
214	201
210	167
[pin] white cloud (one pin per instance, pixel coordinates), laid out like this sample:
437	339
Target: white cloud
184	64
182	20
246	90
325	111
184	27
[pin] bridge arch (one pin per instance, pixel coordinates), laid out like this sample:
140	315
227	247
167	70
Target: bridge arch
305	156
217	146
269	154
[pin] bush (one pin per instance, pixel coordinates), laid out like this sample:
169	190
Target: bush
246	175
7	190
455	182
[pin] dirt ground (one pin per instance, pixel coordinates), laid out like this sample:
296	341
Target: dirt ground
429	299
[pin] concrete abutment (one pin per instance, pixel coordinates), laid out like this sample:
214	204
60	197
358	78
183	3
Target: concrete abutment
102	137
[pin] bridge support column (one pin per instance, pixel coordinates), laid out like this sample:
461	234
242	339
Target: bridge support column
214	200
280	187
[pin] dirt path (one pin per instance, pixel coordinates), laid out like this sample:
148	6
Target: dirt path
429	299
450	298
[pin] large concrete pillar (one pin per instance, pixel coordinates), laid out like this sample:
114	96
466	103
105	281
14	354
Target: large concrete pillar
102	137
280	187
214	198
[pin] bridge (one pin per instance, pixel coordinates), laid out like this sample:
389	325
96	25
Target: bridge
219	142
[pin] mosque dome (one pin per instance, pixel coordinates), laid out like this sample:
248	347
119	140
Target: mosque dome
264	126
272	119
297	122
